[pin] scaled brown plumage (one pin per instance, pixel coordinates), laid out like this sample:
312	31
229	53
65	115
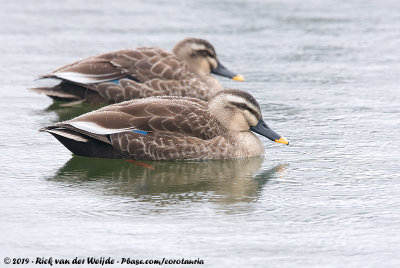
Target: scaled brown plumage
138	73
168	128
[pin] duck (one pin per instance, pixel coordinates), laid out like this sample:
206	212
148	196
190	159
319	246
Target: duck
170	128
139	73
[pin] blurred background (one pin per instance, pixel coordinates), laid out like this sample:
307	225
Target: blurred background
326	74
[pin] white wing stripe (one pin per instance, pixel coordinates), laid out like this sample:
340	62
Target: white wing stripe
96	129
84	78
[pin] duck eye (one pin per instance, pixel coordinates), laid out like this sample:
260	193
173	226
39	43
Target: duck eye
244	107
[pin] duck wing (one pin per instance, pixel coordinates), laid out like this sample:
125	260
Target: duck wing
188	116
89	71
155	63
141	64
167	126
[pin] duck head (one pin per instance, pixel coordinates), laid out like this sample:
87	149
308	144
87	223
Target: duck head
201	55
238	111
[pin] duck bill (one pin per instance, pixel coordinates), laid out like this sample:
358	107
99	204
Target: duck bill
222	71
263	129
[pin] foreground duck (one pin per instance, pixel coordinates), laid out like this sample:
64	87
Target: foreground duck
139	73
169	128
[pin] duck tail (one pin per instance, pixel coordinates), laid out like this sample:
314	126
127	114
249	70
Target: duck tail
59	92
81	144
69	92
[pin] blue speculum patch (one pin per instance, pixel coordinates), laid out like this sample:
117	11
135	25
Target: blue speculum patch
116	81
140	132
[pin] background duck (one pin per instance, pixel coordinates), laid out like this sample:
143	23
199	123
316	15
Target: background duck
170	128
143	72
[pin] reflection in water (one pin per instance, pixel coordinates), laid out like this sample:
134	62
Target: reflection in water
68	112
226	181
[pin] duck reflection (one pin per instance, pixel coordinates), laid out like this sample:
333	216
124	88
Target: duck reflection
67	112
225	181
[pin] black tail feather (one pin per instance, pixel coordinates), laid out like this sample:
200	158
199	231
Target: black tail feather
66	91
89	148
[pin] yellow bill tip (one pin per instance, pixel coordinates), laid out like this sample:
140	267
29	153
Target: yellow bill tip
238	78
282	140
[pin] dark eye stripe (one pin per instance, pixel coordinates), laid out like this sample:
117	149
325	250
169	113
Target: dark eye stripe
205	53
245	107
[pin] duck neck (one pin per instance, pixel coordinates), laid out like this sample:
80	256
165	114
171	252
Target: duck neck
211	82
246	144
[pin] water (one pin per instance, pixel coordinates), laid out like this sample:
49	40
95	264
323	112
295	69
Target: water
326	74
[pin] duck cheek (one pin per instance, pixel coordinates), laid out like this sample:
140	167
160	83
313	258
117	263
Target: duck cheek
253	121
205	66
213	64
238	123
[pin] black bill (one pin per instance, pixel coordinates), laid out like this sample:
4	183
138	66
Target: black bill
263	129
222	71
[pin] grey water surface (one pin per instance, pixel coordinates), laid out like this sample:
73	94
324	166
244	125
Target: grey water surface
327	76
